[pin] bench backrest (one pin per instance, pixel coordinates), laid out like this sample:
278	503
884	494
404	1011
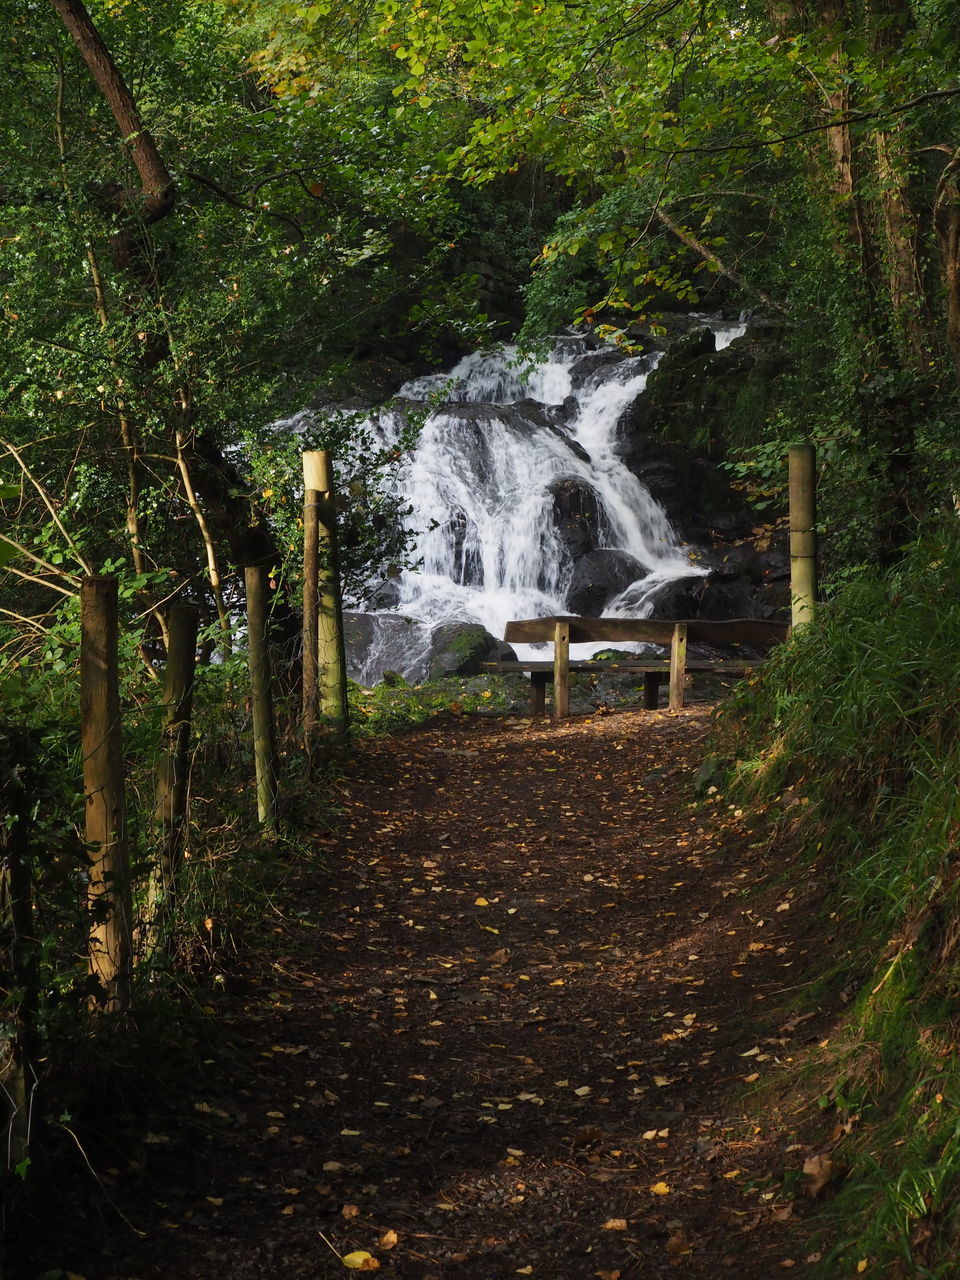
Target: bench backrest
750	631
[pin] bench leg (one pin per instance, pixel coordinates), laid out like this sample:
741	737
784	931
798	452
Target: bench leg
651	690
538	690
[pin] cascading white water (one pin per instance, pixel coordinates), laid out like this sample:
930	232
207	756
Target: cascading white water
482	485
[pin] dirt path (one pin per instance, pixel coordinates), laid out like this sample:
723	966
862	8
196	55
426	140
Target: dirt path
505	1036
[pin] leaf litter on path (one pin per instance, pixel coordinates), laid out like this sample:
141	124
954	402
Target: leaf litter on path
558	1100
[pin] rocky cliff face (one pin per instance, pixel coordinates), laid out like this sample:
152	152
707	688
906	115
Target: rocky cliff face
697	403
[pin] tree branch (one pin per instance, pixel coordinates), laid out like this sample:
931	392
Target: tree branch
691	241
229	198
850	117
157	185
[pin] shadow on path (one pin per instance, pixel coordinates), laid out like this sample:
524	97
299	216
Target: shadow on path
504	1032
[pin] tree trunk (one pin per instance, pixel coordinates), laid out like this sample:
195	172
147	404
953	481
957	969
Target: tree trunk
108	887
173	771
946	214
904	278
18	965
889	22
258	655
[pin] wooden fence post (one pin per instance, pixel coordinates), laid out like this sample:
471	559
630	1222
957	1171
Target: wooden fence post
331	653
258	657
803	537
108	886
561	670
678	666
173	769
311	595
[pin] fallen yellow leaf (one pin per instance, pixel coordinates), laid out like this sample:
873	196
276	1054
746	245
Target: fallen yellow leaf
360	1260
614	1224
660	1189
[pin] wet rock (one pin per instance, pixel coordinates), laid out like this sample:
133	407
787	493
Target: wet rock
362	630
696	493
598	577
576	517
696	400
582	372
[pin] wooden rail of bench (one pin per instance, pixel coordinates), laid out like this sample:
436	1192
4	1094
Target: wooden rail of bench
564	631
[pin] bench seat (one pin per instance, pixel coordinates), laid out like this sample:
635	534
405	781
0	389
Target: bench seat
562	631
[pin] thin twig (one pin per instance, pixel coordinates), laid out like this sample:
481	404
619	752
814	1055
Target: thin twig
99	1181
38	560
47	502
27	622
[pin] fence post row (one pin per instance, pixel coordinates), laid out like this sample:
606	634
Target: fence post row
108	887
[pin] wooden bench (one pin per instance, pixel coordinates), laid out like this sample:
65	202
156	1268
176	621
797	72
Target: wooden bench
564	631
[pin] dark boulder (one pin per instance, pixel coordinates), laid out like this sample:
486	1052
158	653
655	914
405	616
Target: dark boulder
598	577
702	503
582	372
741	582
576	516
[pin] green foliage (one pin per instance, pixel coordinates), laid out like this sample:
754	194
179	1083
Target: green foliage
394	705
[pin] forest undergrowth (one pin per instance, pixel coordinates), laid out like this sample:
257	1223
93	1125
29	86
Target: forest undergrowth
850	743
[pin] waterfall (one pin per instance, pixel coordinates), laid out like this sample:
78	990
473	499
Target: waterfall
504	445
